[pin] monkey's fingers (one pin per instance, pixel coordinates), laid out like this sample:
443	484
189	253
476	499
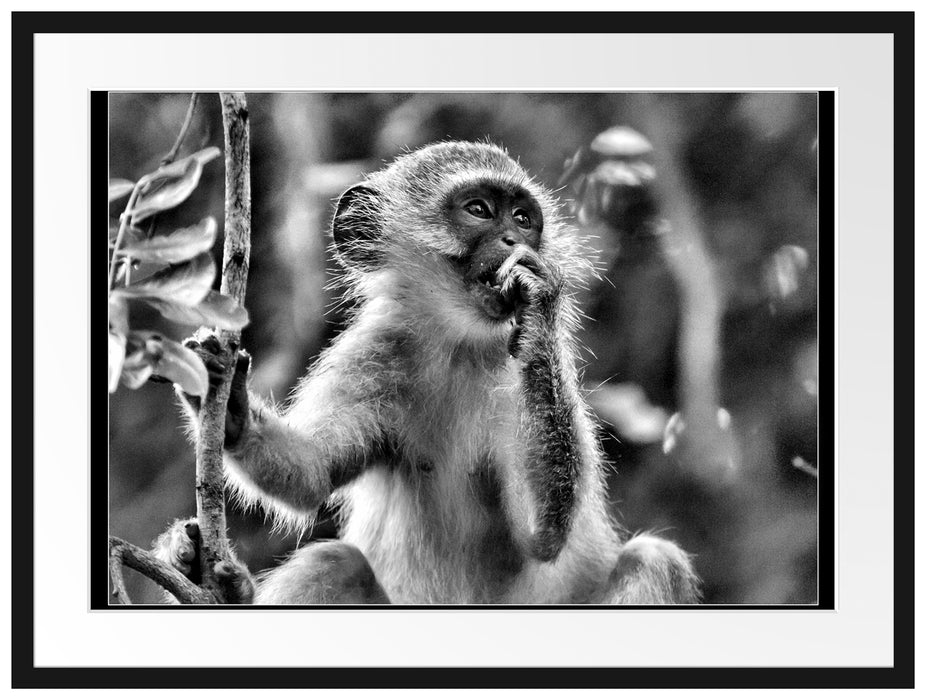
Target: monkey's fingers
521	255
242	365
209	350
237	412
216	374
179	545
204	343
215	369
211	344
236	581
531	259
238	399
522	284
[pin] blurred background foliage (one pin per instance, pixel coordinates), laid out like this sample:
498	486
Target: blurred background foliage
701	336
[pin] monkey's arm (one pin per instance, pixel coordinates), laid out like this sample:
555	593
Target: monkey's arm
559	438
284	462
291	460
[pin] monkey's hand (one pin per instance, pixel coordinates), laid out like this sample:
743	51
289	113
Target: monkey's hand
536	286
237	413
179	547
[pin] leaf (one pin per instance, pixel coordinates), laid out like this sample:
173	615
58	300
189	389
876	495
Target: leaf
216	310
170	184
784	271
129	236
176	247
119	188
621	142
207	154
142	350
170	192
178	169
186	284
118	330
723	418
673	432
184	367
626	407
150	353
118	316
116	359
134	376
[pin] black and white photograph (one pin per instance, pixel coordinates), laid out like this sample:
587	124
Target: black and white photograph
461	349
456	348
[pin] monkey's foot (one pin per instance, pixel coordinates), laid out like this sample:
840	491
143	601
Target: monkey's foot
179	547
651	570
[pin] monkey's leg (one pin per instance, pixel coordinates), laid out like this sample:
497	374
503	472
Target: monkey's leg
179	547
322	573
652	571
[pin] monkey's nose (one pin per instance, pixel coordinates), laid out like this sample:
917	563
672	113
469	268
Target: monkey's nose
512	239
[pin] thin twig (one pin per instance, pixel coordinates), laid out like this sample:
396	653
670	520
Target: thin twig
801	464
123	223
123	226
172	153
122	553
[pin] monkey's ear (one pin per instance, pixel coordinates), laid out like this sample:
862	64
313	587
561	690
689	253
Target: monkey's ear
357	227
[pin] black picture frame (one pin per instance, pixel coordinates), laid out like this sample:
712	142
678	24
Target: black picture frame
25	673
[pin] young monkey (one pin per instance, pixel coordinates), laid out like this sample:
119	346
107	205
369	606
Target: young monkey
446	421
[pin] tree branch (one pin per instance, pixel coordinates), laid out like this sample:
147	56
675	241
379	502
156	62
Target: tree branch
237	196
689	257
210	477
122	553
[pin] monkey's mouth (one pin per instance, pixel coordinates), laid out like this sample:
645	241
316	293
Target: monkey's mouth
487	289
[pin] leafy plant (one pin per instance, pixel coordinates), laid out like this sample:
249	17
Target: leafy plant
181	290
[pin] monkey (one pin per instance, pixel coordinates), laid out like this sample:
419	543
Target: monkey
445	423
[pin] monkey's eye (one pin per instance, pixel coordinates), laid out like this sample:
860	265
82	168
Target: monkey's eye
478	208
521	218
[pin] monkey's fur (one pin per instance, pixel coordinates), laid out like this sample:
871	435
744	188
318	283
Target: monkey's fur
446	421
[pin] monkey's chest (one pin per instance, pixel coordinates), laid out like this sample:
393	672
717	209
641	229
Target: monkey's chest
435	536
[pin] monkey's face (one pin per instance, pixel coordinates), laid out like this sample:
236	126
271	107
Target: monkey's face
433	230
490	220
